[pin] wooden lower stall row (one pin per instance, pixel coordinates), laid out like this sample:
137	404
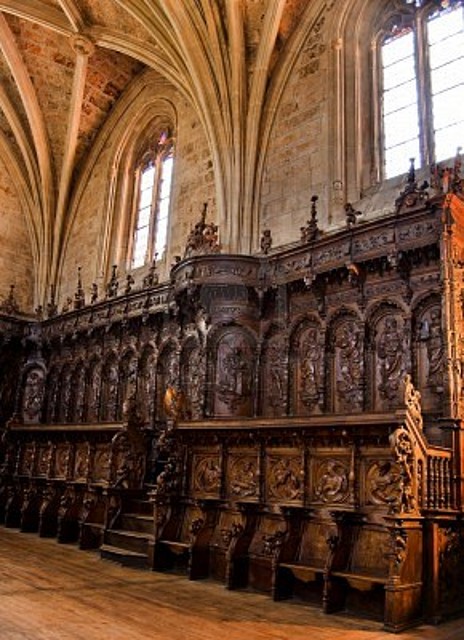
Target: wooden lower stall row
329	558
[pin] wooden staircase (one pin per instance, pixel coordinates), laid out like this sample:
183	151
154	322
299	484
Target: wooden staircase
127	541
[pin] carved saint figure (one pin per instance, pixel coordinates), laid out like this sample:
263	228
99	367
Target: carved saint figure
285	482
435	352
333	482
390	352
310	362
34	393
208	475
243	481
348	346
276	370
234	375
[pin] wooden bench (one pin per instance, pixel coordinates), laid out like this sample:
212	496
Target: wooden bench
182	542
271	533
229	545
364	569
306	556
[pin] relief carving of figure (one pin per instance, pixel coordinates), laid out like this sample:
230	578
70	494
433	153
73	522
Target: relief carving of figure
243	478
390	350
112	379
234	376
435	352
276	358
195	382
208	475
332	484
310	364
285	481
349	368
34	393
383	483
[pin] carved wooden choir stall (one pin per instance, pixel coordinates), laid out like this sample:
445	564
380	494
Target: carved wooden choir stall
288	422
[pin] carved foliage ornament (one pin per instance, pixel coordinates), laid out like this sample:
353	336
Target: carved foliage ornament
403	449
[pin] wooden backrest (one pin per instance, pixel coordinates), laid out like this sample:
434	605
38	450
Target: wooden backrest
370	549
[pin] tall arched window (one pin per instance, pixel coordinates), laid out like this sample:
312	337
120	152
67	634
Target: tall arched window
152	190
422	84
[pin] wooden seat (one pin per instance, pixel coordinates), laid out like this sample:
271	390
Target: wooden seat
364	568
182	542
229	546
305	557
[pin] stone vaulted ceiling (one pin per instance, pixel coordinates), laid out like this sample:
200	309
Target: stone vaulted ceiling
64	64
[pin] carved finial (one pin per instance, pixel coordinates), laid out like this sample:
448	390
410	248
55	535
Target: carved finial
79	296
412	195
113	284
39	312
129	282
10	305
67	306
266	241
351	215
203	238
94	293
151	279
52	308
311	230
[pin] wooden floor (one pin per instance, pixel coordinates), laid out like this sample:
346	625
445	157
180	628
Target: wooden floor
55	592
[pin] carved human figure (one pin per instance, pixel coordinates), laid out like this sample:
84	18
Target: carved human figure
348	344
310	363
34	393
234	375
285	482
435	352
208	475
333	483
244	478
390	350
111	398
276	361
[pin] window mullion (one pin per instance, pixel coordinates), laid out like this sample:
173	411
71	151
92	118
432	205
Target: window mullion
424	90
154	210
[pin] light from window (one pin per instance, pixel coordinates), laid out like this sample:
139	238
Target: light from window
446	55
400	103
422	113
163	206
152	204
142	228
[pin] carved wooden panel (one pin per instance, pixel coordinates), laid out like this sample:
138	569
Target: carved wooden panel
330	480
101	464
391	360
193	376
307	366
234	375
284	476
43	459
110	387
430	365
33	395
81	463
62	460
348	366
26	460
242	474
206	474
381	483
274	377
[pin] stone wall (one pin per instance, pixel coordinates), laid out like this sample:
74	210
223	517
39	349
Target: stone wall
16	264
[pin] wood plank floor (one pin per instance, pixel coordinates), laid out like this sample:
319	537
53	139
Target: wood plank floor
56	592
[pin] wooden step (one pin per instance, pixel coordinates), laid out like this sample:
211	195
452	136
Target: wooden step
124	556
136	541
137	522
